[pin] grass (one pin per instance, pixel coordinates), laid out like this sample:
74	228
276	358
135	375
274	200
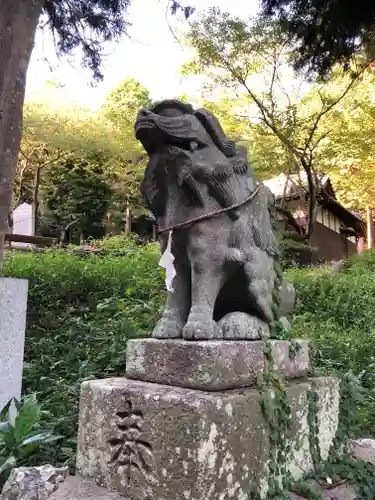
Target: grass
81	312
337	313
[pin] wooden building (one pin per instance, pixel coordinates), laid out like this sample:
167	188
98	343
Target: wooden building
337	231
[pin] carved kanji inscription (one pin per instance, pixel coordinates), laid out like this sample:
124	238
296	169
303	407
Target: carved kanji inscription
131	452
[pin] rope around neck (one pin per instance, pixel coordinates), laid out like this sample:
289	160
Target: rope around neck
210	214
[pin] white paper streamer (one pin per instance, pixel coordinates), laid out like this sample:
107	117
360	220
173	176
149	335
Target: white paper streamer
167	262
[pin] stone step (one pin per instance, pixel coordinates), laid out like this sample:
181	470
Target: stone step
76	488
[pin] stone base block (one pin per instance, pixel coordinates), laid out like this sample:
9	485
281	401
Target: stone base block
211	365
154	442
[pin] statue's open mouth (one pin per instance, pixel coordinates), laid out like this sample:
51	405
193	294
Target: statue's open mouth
146	123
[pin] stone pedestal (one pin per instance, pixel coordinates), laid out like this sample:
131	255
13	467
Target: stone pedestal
212	365
157	442
13	307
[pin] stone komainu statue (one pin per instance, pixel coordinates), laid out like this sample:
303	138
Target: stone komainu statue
224	262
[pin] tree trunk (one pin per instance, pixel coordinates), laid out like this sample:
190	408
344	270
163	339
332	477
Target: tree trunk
64	232
370	229
36	199
311	211
18	23
360	244
290	220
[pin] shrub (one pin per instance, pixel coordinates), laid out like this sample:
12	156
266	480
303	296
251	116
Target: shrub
296	252
81	311
337	312
24	441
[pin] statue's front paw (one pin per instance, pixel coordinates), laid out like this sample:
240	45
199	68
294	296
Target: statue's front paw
199	327
168	327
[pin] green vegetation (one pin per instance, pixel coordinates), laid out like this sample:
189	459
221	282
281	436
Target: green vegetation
337	313
84	307
81	312
82	168
23	441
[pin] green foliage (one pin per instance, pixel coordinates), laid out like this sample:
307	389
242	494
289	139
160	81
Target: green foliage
86	25
306	490
252	61
81	152
24	441
326	33
81	312
73	130
350	153
338	468
336	312
325	316
123	102
77	190
295	250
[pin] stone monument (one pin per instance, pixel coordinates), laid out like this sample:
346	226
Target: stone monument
13	309
188	421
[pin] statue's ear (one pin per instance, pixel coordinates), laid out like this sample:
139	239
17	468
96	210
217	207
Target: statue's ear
213	128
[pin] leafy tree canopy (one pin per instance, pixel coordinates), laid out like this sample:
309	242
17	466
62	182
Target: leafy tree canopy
77	191
89	24
328	31
252	60
123	103
58	139
86	25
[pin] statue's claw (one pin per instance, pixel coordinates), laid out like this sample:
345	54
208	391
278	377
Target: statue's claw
199	327
168	327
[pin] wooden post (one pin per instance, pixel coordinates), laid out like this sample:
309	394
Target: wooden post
108	224
370	229
360	244
128	220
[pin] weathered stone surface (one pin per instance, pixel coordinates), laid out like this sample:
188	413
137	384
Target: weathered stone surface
76	488
222	263
287	299
211	365
13	305
242	326
154	442
33	483
363	449
285	323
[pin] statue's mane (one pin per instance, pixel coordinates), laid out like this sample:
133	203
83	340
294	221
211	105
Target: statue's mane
215	131
171	107
153	188
172	104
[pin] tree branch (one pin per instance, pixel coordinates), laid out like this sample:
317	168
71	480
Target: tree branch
326	110
290	219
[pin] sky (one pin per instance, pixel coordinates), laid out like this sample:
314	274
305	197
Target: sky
150	55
